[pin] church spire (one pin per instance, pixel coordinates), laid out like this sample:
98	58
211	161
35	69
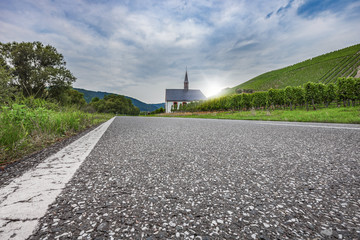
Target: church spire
186	81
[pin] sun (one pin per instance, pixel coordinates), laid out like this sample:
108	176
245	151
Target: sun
211	89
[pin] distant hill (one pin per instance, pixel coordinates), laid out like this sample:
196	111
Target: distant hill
88	95
326	68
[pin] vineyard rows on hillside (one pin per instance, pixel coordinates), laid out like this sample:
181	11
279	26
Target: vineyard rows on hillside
325	69
345	92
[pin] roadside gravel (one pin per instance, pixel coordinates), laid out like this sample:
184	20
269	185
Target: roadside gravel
158	178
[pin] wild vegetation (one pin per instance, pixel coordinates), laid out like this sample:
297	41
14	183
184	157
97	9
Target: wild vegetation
38	105
32	124
345	92
114	104
324	115
325	69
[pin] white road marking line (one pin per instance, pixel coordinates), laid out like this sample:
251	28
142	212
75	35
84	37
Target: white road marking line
305	125
25	200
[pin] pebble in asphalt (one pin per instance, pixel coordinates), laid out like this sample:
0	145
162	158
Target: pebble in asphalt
157	178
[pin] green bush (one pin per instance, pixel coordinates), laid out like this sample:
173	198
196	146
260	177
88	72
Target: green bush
316	94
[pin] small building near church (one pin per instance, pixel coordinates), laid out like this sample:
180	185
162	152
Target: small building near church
175	97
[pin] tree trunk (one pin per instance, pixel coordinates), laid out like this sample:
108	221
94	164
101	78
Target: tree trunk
313	103
290	106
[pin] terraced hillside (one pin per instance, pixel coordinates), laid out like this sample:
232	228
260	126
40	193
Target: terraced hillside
326	68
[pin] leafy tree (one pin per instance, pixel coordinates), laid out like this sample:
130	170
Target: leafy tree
330	93
271	98
116	104
311	94
279	97
35	67
245	101
7	89
162	110
299	96
235	101
95	99
289	96
321	93
346	90
259	99
357	88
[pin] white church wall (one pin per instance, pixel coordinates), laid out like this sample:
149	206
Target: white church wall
168	106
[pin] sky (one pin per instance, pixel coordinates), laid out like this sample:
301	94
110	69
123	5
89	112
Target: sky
139	48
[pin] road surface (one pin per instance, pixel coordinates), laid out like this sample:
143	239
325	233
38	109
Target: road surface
158	178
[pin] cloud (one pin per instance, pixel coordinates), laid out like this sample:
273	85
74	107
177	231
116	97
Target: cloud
139	48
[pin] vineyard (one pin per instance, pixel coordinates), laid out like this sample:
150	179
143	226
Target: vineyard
325	69
345	92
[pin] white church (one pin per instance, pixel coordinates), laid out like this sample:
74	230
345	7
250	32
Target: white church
175	97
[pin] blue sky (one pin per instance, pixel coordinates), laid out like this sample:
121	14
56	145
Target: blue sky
140	48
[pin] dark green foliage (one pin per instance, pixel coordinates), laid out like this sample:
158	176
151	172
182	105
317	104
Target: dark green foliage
159	110
330	93
316	94
7	89
289	96
34	68
311	94
299	96
245	102
70	96
347	90
271	98
321	97
259	99
116	104
95	99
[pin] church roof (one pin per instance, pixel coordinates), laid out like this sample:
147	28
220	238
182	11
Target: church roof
184	95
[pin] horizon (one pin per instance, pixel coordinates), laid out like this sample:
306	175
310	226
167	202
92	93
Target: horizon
139	49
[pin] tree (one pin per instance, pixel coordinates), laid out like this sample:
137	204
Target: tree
35	67
95	99
299	96
321	93
357	88
245	101
289	96
116	104
311	94
330	93
271	98
346	90
259	99
6	87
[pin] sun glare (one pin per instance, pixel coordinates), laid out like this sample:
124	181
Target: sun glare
212	89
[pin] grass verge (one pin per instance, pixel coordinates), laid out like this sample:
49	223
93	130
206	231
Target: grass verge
325	115
25	130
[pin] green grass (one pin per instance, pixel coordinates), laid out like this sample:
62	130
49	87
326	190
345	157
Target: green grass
325	115
25	130
324	68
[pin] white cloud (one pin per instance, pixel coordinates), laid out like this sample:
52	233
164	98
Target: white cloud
141	48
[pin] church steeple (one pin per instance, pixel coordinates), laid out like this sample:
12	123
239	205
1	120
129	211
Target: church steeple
186	81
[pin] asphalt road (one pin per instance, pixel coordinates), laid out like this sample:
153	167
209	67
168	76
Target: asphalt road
157	178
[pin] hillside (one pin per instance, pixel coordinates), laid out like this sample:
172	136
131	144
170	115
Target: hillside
88	95
324	68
